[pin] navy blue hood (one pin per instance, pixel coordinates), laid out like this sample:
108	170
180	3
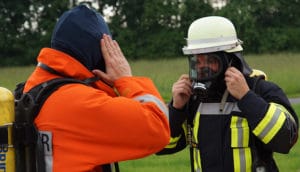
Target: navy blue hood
78	33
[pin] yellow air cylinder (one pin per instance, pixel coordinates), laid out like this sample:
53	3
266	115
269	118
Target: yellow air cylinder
7	117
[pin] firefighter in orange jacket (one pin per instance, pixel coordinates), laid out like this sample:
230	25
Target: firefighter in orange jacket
117	118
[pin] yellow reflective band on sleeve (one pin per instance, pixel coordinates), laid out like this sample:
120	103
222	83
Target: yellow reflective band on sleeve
239	132
271	123
156	101
173	142
242	159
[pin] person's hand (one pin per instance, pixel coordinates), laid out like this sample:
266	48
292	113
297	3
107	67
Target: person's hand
116	64
181	91
236	83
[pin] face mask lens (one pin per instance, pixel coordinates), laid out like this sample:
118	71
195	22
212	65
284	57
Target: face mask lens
205	67
192	68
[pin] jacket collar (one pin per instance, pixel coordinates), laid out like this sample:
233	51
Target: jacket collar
63	64
66	66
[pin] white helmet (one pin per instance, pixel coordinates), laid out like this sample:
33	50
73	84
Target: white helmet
211	34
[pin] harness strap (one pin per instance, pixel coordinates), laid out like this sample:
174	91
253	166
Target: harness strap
51	70
47	68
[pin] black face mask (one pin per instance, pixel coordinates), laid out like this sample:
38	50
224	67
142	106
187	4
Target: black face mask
207	73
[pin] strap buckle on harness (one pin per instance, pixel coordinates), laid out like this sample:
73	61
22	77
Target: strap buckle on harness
190	138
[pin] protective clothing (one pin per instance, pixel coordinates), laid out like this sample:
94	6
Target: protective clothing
90	126
84	127
241	137
226	134
212	34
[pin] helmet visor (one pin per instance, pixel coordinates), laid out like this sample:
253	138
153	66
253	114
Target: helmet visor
205	67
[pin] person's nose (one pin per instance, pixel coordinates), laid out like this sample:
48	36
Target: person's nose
202	64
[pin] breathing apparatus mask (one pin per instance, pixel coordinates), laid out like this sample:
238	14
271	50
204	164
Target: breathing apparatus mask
205	69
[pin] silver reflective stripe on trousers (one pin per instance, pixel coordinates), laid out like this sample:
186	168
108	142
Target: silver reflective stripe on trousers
150	98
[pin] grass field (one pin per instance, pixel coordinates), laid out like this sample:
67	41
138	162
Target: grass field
282	69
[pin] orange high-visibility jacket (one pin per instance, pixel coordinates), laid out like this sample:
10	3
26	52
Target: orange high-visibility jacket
91	125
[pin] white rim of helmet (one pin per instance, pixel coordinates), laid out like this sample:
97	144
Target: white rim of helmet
209	45
223	40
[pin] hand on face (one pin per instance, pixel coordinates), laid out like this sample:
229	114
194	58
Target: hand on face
236	83
116	64
181	91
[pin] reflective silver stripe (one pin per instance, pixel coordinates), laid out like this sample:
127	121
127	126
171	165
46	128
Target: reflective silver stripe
213	108
46	138
271	124
240	136
155	100
239	132
187	50
242	160
213	40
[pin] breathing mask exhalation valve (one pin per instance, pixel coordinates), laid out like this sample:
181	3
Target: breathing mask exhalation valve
200	89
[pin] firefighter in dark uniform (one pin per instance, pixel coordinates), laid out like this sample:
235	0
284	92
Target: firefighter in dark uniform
229	115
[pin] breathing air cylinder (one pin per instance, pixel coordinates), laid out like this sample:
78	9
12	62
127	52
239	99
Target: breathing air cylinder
7	117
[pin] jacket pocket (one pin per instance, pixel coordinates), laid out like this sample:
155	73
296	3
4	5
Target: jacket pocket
239	132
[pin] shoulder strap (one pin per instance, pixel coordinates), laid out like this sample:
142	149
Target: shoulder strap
28	105
41	92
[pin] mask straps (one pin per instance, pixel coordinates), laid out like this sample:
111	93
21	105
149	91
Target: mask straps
225	95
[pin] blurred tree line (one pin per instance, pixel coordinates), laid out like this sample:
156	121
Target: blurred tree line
149	28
